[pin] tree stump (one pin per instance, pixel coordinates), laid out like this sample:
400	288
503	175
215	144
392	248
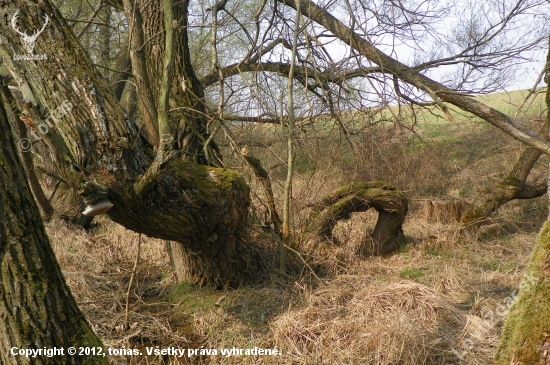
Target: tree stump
391	205
444	211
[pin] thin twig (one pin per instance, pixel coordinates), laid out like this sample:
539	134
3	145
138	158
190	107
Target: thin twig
132	277
91	21
305	263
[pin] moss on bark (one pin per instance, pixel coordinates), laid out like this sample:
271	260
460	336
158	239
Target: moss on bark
526	334
37	309
205	210
390	204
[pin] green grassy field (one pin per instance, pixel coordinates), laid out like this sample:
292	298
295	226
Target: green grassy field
434	123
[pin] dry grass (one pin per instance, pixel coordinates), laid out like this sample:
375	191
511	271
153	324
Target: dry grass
354	322
97	267
371	313
412	307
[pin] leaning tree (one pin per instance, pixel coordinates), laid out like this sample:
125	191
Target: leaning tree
525	339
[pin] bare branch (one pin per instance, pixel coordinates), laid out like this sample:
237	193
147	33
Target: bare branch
413	77
283	70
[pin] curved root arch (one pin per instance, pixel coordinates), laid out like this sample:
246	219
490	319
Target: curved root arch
390	203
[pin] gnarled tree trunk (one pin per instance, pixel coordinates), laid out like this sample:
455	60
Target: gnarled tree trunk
390	204
204	209
526	335
37	309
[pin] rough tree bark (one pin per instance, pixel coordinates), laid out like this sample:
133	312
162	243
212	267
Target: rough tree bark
64	201
26	157
37	309
203	208
526	334
263	177
188	120
391	205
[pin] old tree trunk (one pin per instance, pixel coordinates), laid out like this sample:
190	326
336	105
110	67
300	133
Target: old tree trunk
390	204
514	186
37	309
526	334
98	151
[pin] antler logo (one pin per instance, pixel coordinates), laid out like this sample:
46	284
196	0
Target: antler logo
28	40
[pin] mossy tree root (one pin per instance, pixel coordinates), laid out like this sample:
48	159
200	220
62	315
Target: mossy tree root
391	205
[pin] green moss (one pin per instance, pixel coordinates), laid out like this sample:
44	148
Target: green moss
411	273
359	186
338	209
375	193
192	298
528	324
510	181
179	291
205	178
229	179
